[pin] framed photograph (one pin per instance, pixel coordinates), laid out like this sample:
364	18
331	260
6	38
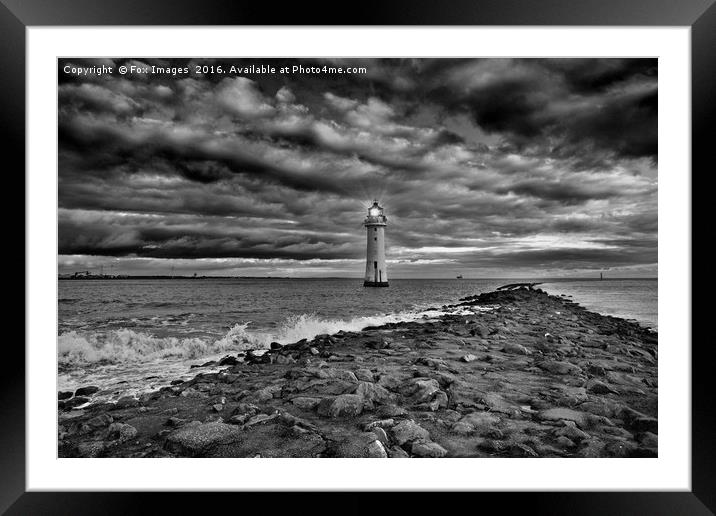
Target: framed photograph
264	251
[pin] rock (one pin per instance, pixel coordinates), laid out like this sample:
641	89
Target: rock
571	431
364	375
373	393
176	421
556	367
306	403
597	387
276	345
463	428
565	442
194	440
90	449
381	435
260	419
176	382
396	452
516	349
126	402
382	423
422	448
284	360
409	430
423	389
228	360
376	450
218	407
345	405
100	421
649	440
64	395
468	358
314	351
122	432
620	449
557	414
75	402
86	391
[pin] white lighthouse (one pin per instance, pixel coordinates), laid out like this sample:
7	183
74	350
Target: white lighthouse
376	273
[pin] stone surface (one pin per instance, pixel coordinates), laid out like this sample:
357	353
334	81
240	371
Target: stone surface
549	379
195	439
86	391
409	430
427	449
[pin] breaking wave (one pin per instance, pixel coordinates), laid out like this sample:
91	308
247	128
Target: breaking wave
124	345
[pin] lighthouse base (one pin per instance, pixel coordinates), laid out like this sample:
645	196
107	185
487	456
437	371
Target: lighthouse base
375	283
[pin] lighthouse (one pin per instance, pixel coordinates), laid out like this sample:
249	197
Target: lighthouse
376	274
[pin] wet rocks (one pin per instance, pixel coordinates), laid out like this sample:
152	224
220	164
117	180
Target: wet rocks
126	402
549	379
228	360
86	391
75	402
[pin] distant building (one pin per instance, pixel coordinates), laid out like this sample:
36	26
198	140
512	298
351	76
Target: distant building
376	273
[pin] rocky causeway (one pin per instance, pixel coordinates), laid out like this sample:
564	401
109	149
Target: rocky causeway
512	373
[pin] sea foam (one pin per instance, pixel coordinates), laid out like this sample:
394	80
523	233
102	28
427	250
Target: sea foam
129	346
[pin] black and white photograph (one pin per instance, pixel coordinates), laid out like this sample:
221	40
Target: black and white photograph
357	257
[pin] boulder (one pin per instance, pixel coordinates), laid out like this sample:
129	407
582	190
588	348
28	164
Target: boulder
122	432
422	448
228	360
376	450
77	401
560	413
373	393
64	395
598	387
364	375
100	421
90	449
516	349
409	430
468	358
305	402
194	439
345	405
86	391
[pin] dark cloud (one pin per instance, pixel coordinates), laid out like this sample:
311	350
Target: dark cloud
482	164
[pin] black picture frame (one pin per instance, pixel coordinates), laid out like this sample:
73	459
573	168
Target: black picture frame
699	15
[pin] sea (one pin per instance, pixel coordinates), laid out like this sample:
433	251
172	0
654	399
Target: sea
129	336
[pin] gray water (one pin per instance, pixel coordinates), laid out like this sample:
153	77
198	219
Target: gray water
136	334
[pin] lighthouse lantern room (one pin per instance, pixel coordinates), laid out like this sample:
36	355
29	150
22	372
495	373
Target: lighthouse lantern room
376	273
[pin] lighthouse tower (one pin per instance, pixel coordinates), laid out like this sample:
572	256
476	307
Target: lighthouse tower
376	273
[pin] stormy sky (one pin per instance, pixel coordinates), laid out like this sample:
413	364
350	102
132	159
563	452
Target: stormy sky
485	167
